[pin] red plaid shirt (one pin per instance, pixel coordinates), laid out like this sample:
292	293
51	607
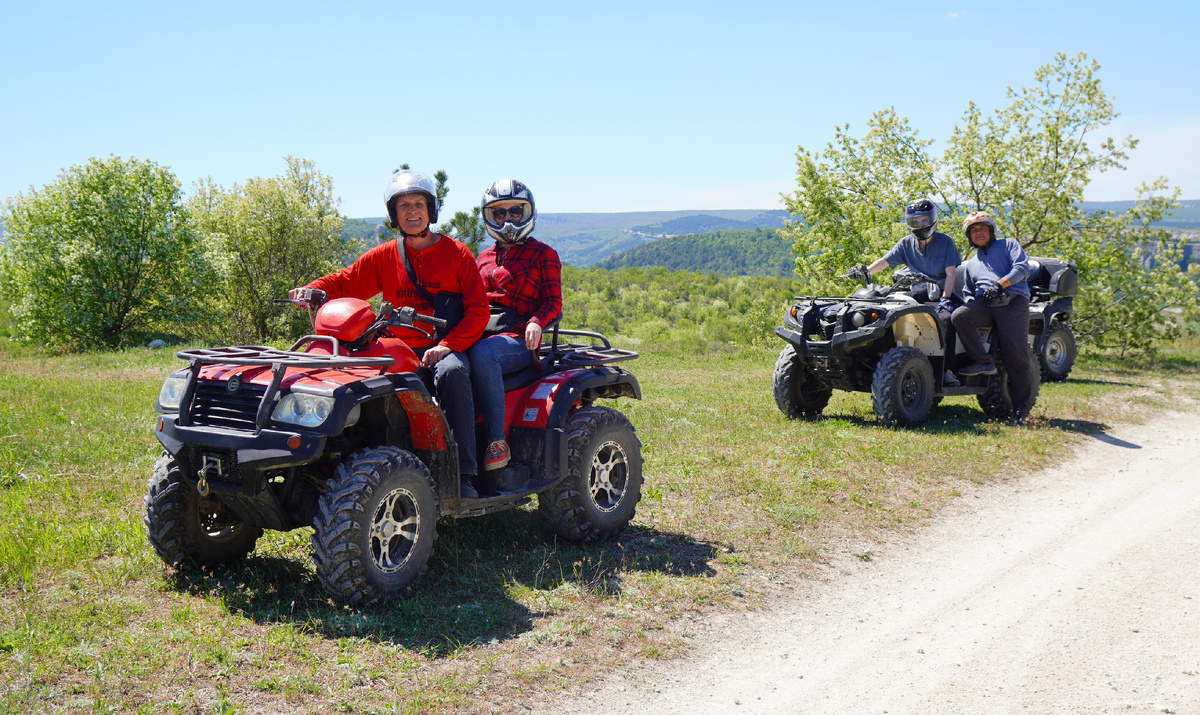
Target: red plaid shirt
526	277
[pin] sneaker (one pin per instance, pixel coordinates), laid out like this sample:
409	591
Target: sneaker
497	455
949	380
466	487
982	368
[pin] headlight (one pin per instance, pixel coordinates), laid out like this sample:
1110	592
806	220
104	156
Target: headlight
171	393
305	410
859	318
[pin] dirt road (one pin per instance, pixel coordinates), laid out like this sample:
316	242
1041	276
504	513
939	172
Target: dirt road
1072	590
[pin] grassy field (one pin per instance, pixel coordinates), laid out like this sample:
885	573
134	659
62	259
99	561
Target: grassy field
738	502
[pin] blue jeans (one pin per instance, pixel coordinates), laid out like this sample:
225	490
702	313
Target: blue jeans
490	359
452	386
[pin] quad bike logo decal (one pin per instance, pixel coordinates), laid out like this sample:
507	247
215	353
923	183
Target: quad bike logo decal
234	384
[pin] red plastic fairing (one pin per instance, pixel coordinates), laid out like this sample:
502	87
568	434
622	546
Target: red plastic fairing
396	349
429	428
344	318
530	406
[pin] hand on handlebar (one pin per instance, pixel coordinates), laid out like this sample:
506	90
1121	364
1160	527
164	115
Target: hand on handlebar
309	297
858	273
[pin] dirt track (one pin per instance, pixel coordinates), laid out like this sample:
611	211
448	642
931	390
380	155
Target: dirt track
1072	590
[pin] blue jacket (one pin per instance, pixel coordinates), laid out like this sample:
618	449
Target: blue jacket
1003	258
940	254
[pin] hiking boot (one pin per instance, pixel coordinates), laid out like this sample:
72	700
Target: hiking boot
466	487
497	456
949	380
981	368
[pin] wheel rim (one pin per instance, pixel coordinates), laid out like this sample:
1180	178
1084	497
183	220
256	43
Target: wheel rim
215	521
608	476
1056	352
912	389
393	531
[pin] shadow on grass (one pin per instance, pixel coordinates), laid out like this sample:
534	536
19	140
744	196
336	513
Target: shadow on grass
961	418
942	419
1093	381
466	596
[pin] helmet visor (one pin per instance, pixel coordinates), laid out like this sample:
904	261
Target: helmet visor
918	221
497	216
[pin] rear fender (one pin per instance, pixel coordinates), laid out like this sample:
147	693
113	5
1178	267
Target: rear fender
547	404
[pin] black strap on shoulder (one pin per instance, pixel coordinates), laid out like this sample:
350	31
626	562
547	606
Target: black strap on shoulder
412	275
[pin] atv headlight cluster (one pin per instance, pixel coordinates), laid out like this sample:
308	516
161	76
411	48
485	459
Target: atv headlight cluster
171	393
860	318
297	408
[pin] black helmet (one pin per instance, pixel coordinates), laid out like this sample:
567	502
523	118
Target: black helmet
511	229
921	217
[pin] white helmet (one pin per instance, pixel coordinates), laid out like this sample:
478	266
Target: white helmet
508	227
410	182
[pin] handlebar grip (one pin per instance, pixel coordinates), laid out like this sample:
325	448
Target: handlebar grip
436	322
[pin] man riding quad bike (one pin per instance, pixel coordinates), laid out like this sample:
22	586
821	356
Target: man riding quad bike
881	340
340	432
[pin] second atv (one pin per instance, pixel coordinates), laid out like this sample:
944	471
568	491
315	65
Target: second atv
882	340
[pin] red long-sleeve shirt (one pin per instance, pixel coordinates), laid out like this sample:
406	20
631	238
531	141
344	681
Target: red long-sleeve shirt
526	277
445	266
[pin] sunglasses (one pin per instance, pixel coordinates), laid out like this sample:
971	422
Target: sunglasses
514	212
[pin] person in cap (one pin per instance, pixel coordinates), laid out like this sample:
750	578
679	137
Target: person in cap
997	295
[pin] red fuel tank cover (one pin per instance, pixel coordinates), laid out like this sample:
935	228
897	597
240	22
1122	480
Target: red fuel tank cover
344	318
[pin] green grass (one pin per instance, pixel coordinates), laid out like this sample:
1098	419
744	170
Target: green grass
736	497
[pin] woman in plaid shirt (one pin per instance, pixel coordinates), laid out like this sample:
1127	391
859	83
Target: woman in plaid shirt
525	275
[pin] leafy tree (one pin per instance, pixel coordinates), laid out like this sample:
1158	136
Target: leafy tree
1028	164
267	237
850	198
466	227
102	256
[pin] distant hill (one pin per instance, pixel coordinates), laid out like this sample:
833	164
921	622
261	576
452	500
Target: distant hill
1186	216
757	252
706	223
584	239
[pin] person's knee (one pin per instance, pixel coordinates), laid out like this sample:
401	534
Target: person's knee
451	371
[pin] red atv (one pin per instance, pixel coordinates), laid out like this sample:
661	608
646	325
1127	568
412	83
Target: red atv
340	432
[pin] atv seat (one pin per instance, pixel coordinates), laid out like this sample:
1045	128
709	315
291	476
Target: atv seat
1052	276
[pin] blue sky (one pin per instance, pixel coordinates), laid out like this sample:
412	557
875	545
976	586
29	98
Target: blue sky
597	106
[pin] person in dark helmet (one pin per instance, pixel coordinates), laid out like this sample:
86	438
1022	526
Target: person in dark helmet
524	276
997	294
933	254
439	263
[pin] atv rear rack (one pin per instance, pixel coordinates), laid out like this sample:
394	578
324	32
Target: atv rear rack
580	354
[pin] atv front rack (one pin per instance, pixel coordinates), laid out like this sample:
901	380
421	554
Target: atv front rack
278	360
270	357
